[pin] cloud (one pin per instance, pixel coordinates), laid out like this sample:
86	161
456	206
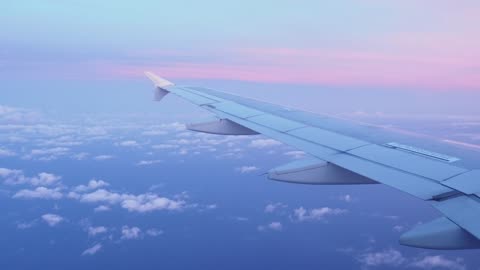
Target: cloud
346	198
164	146
150	202
92	231
45	179
39	193
148	162
101	208
154	232
389	257
131	233
15	115
92	184
17	177
80	156
247	169
47	154
398	228
129	143
437	262
6	153
135	203
103	157
52	219
92	250
394	258
26	225
272	207
301	214
264	143
274	226
154	132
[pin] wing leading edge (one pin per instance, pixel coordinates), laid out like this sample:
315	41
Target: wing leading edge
344	159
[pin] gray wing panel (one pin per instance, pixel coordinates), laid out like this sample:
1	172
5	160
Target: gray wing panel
379	164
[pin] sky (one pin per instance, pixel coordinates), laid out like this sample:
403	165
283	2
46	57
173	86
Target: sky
95	174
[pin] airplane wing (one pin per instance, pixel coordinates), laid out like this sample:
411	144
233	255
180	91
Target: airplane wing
341	157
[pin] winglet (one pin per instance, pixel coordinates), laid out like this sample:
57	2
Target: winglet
159	82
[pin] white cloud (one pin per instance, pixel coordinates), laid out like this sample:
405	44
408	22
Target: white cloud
302	214
131	233
15	115
103	157
150	202
129	143
398	228
101	208
92	231
13	177
154	132
25	225
92	184
436	262
272	207
52	219
92	250
389	257
39	193
45	179
394	258
263	143
6	153
247	169
16	177
101	195
48	153
274	226
346	198
136	203
80	156
164	146
154	232
148	162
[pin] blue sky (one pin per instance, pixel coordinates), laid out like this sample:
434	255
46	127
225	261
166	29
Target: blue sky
94	174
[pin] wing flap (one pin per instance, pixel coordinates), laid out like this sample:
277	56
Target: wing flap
440	233
417	186
468	183
463	210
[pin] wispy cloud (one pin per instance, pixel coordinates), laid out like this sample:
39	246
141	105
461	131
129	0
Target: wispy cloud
273	226
301	214
39	193
247	169
92	250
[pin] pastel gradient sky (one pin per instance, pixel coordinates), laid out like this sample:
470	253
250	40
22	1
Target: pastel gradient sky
411	45
76	108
